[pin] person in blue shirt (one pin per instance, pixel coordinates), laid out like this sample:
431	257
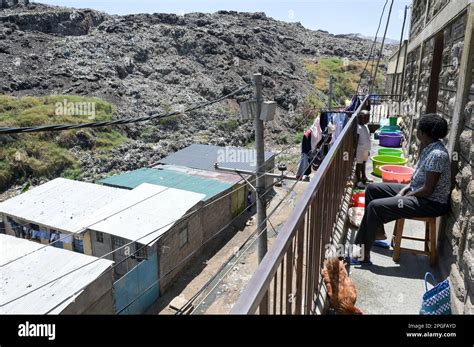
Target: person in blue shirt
427	195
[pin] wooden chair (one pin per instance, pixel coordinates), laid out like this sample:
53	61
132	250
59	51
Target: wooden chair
429	240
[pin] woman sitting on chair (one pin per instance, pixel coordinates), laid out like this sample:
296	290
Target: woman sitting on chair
426	196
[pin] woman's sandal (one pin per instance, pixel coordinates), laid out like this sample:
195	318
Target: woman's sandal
355	261
382	244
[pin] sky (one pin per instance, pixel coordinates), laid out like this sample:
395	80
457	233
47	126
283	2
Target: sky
335	16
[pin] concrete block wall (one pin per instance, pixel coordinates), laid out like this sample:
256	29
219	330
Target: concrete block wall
97	298
172	258
216	215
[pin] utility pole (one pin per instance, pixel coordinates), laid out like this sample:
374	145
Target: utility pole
260	185
330	93
261	178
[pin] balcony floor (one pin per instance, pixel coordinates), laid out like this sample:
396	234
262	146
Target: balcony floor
387	287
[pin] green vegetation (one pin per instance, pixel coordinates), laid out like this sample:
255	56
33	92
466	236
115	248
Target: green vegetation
47	154
170	122
228	125
345	74
299	137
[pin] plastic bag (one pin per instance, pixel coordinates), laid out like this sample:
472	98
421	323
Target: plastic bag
355	215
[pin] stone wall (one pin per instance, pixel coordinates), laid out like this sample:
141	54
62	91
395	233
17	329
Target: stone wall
434	7
456	236
409	95
418	14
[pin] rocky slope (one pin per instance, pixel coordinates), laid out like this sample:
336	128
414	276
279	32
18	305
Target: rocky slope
151	63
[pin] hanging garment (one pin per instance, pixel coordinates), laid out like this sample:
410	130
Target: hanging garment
303	166
66	238
354	105
338	121
54	236
323	120
44	234
306	142
316	135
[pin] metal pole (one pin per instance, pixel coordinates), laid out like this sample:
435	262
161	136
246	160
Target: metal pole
259	142
330	94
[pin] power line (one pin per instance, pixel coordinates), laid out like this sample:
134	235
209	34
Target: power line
85	228
270	214
61	127
119	248
372	48
176	266
192	253
381	48
261	232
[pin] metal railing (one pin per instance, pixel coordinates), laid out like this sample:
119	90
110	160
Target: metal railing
288	279
383	106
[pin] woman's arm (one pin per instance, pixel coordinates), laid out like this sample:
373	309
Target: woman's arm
404	190
428	188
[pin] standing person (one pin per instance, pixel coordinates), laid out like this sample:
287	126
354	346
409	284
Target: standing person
363	149
249	202
426	196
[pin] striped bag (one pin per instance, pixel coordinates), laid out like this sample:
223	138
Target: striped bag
437	300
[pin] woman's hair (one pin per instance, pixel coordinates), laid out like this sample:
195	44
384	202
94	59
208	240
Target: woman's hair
434	126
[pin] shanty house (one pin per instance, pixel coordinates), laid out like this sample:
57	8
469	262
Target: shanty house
161	228
86	287
204	157
218	188
58	210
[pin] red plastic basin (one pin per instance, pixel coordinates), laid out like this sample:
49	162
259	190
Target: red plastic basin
358	199
396	173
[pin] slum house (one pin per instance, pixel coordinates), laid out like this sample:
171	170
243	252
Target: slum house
167	233
85	291
204	157
220	189
438	78
58	209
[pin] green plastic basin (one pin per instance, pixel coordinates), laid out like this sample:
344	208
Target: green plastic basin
394	152
380	160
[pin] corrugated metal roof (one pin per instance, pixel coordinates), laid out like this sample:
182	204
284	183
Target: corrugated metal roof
183	179
62	204
33	271
151	207
204	157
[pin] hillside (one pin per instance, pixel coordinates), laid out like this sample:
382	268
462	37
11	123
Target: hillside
151	63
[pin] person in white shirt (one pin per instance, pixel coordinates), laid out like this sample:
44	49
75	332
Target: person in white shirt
363	148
